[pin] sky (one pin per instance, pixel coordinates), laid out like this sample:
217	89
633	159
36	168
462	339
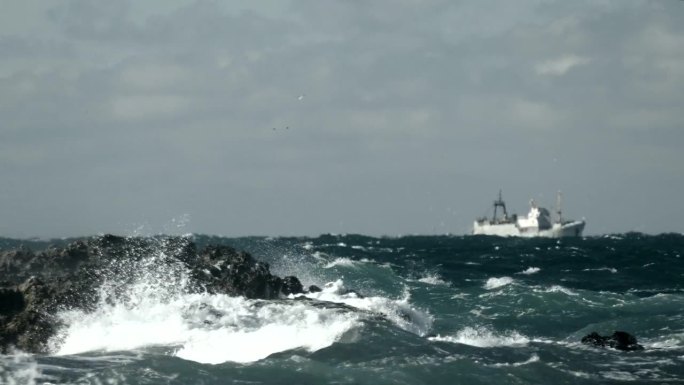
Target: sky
321	116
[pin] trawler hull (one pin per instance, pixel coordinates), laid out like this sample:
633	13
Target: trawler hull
557	230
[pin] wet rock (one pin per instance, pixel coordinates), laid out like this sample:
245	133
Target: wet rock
11	301
27	323
291	285
618	340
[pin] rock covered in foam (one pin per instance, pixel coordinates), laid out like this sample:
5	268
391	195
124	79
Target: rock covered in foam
35	285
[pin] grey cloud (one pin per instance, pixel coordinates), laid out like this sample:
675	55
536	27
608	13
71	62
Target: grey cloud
414	113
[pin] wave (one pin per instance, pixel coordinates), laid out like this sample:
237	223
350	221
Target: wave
484	338
534	358
495	283
344	261
674	341
18	368
556	289
205	328
530	271
398	311
610	269
433	279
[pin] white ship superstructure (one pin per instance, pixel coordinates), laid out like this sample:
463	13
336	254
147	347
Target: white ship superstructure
537	223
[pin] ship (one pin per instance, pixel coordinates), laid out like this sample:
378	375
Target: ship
537	223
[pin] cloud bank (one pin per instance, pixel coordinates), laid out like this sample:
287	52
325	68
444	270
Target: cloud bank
122	115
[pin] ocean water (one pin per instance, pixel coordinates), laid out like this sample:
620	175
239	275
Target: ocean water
406	310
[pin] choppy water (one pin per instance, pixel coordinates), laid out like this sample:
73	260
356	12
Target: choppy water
431	310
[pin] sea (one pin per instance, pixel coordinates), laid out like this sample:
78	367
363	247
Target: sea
392	310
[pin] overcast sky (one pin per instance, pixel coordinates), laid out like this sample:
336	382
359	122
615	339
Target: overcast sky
312	116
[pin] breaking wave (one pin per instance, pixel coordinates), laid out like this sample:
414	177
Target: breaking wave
484	338
495	283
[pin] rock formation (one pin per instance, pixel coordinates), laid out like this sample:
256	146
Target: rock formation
619	340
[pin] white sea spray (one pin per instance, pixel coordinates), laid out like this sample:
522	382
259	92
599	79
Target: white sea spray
530	270
484	337
495	283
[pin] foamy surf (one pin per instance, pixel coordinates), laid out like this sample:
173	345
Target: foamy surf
398	311
484	338
18	369
432	279
347	262
530	270
495	283
206	328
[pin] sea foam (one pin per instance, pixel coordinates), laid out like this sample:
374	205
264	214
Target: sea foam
484	338
433	279
530	271
494	283
19	368
206	328
398	311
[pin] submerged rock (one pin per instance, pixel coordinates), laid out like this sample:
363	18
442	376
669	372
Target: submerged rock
35	286
618	340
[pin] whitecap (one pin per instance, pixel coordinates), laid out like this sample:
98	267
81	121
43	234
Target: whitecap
484	338
619	375
433	279
398	311
673	341
278	329
206	328
460	296
534	358
557	289
611	269
344	261
19	368
494	283
530	270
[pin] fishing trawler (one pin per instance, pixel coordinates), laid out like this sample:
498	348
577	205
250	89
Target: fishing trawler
537	223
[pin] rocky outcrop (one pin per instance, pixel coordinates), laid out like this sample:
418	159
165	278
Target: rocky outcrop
35	286
619	340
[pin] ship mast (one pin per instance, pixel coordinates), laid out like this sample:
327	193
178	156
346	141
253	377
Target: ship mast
500	203
559	210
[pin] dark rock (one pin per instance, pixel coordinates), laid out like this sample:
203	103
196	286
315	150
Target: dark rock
31	326
11	301
594	339
291	285
235	272
618	340
314	289
624	341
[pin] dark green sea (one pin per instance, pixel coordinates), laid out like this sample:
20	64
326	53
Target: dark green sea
402	310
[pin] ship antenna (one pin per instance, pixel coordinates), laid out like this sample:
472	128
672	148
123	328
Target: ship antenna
559	203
